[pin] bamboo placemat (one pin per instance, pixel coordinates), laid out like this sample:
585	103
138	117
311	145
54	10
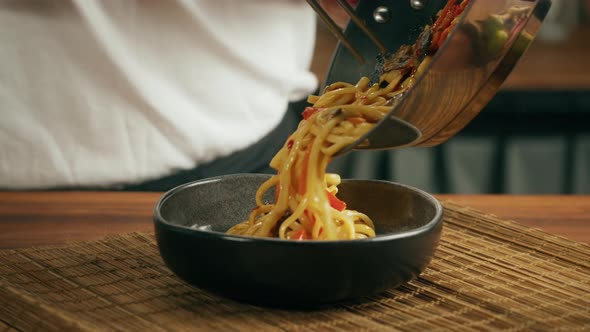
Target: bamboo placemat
488	274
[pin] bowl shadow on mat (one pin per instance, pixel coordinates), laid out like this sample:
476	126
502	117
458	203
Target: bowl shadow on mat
190	222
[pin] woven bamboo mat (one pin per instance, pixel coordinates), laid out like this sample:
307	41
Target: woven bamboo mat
488	274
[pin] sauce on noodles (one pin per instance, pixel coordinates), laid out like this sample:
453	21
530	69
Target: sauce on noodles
306	205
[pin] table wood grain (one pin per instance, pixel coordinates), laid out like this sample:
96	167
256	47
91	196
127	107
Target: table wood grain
45	218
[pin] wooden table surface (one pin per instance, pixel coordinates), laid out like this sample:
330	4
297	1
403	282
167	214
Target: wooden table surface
44	218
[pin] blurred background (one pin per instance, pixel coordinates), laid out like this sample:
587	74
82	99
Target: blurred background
533	137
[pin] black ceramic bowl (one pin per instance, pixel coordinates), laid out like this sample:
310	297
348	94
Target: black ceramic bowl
294	273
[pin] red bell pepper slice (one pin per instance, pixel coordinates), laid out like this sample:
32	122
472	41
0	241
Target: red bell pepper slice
300	235
335	202
309	111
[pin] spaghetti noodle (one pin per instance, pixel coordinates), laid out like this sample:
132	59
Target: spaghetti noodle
305	205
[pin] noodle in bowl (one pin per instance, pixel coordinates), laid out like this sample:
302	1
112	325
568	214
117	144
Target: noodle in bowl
191	223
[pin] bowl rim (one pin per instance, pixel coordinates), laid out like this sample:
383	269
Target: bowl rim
159	219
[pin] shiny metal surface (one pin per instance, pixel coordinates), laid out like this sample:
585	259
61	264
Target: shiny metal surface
460	80
335	29
381	14
358	22
417	4
361	24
